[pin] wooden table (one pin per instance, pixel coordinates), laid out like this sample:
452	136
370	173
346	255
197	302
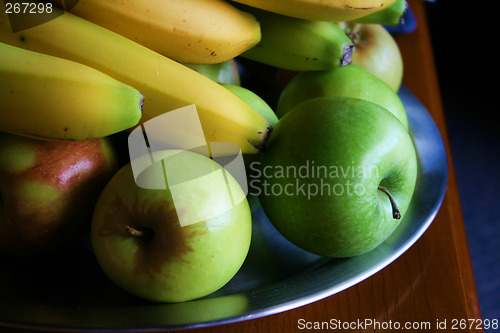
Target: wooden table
429	284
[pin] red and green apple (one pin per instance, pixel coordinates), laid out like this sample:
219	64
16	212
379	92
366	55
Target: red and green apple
48	190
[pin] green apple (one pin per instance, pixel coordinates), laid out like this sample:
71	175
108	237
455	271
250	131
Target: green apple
140	238
350	81
376	51
48	190
338	175
226	72
262	107
254	101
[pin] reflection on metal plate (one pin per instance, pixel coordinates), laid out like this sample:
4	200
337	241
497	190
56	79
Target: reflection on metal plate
277	276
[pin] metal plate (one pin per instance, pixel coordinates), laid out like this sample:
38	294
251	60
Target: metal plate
69	291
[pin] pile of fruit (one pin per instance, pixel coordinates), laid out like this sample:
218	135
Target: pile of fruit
324	138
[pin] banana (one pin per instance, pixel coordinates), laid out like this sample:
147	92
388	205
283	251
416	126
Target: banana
299	45
321	10
188	31
56	99
391	16
166	84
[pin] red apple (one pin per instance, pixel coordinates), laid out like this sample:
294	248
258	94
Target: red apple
376	51
48	190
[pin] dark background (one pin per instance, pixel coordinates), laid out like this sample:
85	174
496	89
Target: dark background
464	39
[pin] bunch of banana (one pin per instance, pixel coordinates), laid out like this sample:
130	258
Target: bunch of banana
188	31
321	10
52	98
299	45
166	84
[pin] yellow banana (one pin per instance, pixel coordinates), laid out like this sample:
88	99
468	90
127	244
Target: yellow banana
166	84
52	98
321	10
189	31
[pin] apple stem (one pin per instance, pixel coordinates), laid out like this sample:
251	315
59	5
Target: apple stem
395	211
354	37
134	232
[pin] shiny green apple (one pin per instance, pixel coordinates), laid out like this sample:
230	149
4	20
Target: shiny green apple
176	231
338	175
48	190
349	81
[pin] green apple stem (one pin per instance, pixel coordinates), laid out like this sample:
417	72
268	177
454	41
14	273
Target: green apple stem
134	232
395	211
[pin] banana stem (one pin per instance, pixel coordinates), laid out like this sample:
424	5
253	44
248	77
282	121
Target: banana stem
347	57
395	210
262	147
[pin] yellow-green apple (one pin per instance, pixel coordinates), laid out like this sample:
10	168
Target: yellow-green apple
140	238
375	50
350	81
48	190
338	175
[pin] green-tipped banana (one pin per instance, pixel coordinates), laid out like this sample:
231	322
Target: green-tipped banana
167	85
299	45
56	99
391	16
